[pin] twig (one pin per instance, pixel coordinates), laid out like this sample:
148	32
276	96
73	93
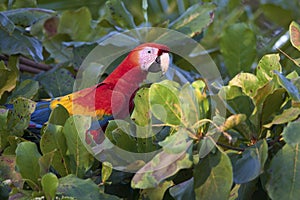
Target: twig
230	147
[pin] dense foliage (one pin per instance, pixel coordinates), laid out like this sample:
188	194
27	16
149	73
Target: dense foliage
251	151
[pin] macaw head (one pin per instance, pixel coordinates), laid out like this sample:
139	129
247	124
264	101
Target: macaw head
151	57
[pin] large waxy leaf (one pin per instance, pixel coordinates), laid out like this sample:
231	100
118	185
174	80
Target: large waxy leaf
53	140
189	105
295	35
284	174
238	46
158	192
248	82
80	159
213	173
266	66
194	19
77	188
291	133
164	102
27	163
49	183
251	163
141	113
8	75
162	166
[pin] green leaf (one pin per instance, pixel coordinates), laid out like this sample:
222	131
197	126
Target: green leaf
213	173
28	16
284	174
294	30
290	87
251	163
45	162
248	82
275	13
161	167
27	163
19	43
80	159
77	188
58	82
158	192
194	20
106	171
175	143
183	190
140	114
19	118
189	105
266	66
49	184
119	133
76	23
239	53
27	89
291	133
59	115
9	75
53	140
4	133
164	103
286	116
119	15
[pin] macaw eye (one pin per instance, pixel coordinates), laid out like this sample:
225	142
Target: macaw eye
149	51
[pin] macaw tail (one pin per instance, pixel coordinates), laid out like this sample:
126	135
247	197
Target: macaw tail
41	115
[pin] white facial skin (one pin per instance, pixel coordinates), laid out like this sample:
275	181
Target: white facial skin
148	56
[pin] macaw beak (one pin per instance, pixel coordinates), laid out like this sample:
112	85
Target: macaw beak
161	63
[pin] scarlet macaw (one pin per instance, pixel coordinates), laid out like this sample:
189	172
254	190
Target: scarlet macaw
112	98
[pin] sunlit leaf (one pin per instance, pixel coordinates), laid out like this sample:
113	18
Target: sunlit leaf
27	88
295	34
8	75
286	116
164	103
248	82
266	66
49	183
